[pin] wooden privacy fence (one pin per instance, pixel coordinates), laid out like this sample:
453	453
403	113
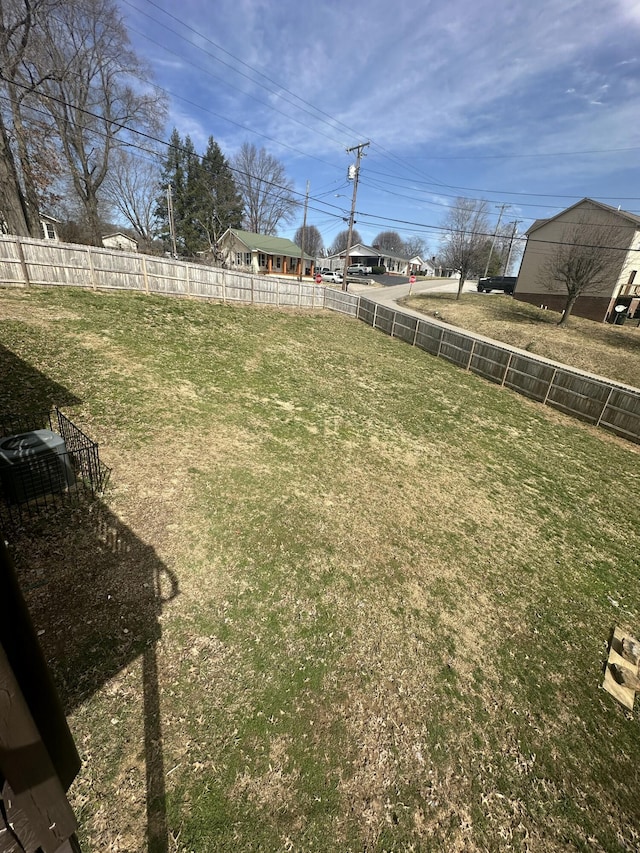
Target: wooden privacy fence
25	261
589	398
595	400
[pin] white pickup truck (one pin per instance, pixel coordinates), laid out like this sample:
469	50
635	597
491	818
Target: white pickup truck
358	269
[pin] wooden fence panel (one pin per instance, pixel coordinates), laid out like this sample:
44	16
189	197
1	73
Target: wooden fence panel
489	361
288	293
405	327
238	286
116	271
207	282
338	300
578	396
529	376
58	264
11	270
622	413
366	311
384	319
266	291
166	276
429	337
456	348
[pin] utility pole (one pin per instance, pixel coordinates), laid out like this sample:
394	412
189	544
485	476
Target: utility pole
172	224
511	239
493	242
304	228
354	172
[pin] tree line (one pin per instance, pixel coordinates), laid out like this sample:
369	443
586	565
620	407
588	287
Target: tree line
80	127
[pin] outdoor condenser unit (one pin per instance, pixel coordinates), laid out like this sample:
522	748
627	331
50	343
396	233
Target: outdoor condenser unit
33	464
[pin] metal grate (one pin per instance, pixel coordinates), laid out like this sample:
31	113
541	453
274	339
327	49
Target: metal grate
49	461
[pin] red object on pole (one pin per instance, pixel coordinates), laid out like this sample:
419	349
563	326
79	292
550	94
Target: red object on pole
318	278
412	279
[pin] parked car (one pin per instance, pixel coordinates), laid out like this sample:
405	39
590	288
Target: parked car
358	269
323	271
506	283
331	275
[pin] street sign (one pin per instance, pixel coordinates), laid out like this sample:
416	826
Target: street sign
412	279
318	278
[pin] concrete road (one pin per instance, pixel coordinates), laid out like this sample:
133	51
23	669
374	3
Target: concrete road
388	295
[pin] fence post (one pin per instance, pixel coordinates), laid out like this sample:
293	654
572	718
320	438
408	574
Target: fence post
145	276
91	270
415	333
604	408
551	381
393	323
375	316
506	370
224	286
473	346
23	263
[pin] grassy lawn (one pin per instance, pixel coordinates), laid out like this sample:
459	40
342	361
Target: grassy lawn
339	595
610	351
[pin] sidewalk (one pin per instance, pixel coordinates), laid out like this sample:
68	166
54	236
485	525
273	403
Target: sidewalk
388	296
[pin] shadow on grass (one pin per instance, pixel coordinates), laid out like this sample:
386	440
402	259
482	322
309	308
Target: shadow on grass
27	392
95	592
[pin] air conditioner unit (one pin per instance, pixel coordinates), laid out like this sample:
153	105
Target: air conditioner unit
33	464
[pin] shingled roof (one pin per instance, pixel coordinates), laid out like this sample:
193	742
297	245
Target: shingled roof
268	245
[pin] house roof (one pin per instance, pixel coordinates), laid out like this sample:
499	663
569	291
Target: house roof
370	251
623	214
119	234
266	244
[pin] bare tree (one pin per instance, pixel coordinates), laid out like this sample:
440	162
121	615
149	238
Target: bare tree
19	174
266	190
586	257
90	93
415	247
131	188
312	241
340	242
389	241
465	236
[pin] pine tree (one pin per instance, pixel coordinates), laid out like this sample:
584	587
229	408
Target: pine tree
220	203
205	199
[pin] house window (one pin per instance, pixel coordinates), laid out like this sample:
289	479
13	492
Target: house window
238	259
632	276
278	263
247	259
262	260
48	231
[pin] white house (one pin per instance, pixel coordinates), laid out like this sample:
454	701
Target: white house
49	227
371	256
258	253
119	240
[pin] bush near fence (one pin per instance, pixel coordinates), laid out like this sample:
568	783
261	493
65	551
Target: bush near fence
592	399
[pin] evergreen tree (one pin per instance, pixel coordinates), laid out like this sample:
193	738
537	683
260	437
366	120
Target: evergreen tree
205	199
220	202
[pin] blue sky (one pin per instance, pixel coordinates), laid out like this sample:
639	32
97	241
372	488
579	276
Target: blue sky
533	105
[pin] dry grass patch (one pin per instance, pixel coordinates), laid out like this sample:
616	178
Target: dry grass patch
374	590
599	348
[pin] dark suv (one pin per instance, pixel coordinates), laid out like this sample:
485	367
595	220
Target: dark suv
506	283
